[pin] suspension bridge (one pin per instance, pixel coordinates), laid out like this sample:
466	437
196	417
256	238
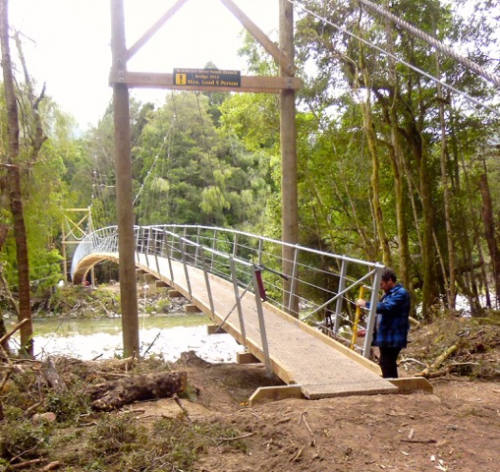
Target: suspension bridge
234	278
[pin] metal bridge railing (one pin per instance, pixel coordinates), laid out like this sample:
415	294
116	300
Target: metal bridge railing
326	284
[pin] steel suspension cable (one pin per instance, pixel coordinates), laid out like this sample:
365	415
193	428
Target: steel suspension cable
151	169
218	191
432	41
393	56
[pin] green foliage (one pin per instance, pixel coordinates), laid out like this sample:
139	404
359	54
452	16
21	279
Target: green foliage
173	444
188	171
18	437
43	174
68	406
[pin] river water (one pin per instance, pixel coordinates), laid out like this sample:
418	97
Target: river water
167	336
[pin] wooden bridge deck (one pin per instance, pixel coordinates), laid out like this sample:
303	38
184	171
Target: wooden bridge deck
298	353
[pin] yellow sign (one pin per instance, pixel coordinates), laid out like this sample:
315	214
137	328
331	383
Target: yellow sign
180	79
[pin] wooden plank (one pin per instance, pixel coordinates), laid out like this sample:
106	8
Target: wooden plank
214	329
412	384
280	57
161	284
174	294
246	358
166	81
253	347
276	393
191	309
154	29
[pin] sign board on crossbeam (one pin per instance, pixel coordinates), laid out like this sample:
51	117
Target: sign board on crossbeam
207	77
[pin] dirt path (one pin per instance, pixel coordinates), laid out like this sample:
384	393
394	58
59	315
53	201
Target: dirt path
455	429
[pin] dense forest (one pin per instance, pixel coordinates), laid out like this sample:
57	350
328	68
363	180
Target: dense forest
398	149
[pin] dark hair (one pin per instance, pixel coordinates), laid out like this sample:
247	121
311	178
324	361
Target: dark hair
389	274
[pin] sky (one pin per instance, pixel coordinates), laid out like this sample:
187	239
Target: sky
67	44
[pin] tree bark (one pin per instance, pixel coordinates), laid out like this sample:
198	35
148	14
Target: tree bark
14	184
451	285
375	180
115	394
489	231
397	159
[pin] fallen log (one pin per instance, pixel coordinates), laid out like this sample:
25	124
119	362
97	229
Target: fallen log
114	394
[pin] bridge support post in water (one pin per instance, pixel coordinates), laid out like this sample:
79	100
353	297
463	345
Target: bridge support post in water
123	168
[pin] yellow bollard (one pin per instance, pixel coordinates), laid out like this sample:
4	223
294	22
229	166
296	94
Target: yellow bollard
356	320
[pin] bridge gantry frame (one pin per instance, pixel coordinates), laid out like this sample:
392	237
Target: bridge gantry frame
121	80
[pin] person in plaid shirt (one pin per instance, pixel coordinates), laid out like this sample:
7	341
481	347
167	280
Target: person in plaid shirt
393	323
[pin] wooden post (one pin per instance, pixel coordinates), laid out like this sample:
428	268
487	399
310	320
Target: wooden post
290	226
123	168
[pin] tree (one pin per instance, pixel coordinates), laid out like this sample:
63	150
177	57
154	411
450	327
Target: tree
421	140
13	184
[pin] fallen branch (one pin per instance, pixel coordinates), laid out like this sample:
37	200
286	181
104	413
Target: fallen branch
152	344
28	410
303	418
439	361
51	466
181	406
415	323
419	441
296	456
12	300
25	464
237	438
438	373
5	337
410	359
5	380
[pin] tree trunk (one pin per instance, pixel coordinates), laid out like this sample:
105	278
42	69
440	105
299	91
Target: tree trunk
375	180
451	285
397	159
115	394
14	184
489	231
3	237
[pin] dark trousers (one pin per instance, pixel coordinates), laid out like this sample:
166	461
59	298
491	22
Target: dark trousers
387	361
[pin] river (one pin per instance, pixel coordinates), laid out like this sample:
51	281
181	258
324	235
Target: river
167	336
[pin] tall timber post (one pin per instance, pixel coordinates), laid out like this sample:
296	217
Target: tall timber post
123	168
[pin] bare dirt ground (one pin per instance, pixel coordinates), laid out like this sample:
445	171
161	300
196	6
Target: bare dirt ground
457	428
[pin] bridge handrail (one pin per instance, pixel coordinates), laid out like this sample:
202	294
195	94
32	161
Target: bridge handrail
274	241
191	244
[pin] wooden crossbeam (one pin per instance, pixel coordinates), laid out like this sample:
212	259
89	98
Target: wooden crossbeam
166	81
280	57
152	31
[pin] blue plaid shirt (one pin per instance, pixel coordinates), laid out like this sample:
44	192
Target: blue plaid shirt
393	324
